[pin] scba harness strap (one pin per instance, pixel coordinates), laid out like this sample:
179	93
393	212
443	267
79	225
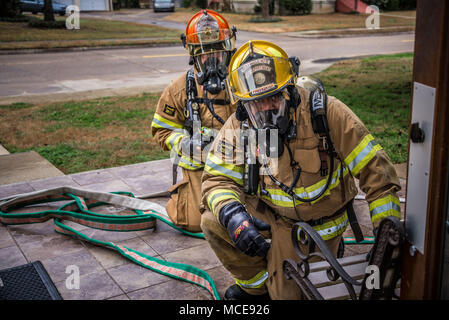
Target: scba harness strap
79	208
193	99
318	111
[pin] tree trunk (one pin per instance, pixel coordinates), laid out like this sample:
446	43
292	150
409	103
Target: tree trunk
265	9
48	11
227	5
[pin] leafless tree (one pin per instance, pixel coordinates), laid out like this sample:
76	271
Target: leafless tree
48	11
265	8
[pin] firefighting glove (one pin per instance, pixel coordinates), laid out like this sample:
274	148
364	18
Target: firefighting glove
243	229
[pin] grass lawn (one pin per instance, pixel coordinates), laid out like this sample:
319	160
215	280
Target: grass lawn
92	32
378	90
308	22
113	131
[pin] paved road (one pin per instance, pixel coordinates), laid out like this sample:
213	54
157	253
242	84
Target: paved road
27	75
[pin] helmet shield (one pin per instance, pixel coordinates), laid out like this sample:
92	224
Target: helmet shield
259	77
268	112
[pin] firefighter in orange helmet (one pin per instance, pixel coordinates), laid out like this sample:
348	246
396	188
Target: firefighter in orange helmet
192	108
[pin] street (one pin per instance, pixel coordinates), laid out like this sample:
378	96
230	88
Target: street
153	68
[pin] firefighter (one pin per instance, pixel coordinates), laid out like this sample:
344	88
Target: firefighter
192	109
304	171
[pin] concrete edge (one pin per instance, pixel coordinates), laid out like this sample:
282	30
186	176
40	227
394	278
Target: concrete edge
81	95
79	49
331	36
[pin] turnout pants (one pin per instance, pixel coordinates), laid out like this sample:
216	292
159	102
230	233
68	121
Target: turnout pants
256	275
185	199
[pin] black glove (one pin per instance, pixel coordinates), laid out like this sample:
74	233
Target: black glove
243	229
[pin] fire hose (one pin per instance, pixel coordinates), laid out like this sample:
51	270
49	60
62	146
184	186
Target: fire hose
78	209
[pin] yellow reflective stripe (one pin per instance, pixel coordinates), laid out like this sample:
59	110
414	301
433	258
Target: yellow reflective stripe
172	141
384	207
216	166
280	198
362	154
160	122
218	195
331	229
189	163
255	282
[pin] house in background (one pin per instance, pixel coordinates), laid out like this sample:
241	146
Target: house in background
318	6
90	5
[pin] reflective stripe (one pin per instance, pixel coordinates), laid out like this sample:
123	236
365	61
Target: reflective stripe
331	229
362	154
384	207
172	141
255	282
280	198
160	122
215	166
189	163
219	195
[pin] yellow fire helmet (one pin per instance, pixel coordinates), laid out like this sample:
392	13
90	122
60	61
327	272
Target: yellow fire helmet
259	69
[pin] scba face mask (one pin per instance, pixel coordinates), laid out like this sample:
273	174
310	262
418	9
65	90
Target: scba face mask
270	116
212	70
268	113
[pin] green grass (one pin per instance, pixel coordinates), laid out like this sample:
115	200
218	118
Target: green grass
79	136
378	90
92	32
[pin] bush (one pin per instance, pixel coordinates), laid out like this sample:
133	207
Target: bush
297	7
262	20
38	23
9	8
19	18
258	7
201	4
186	3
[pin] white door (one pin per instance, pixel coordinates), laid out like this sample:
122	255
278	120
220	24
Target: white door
92	5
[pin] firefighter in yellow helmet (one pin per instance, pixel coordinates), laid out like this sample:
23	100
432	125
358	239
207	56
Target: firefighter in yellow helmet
301	167
192	109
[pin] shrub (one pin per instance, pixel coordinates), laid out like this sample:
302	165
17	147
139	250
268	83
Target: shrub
258	7
297	7
201	4
262	20
186	3
38	23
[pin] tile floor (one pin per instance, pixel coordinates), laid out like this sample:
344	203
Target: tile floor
105	274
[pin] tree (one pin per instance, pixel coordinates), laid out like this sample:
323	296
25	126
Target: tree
227	5
265	9
48	11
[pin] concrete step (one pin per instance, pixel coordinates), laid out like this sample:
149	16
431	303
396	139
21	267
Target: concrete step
25	166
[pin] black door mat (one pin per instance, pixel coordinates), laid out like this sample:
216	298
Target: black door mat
27	282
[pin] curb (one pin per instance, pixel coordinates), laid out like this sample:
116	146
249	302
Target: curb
80	49
316	34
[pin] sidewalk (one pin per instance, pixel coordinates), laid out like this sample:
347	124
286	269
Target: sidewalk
104	273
